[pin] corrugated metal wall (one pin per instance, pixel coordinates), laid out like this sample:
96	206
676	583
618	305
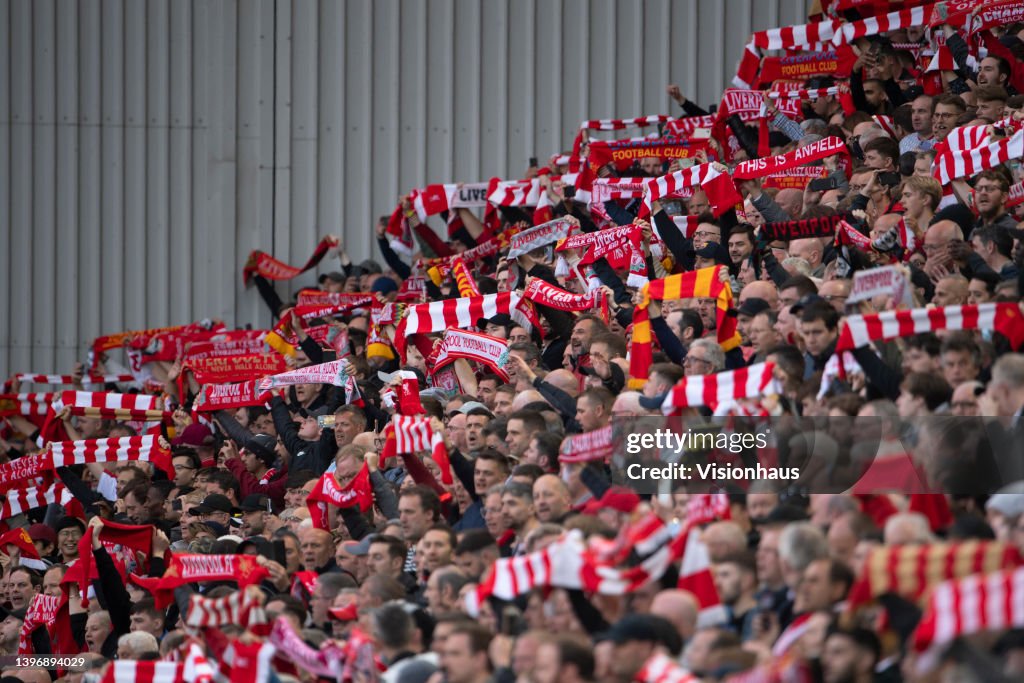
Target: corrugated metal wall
146	146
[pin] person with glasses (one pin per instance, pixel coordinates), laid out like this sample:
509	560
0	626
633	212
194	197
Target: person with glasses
946	109
704	357
185	462
836	292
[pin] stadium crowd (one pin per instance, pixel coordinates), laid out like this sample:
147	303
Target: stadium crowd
411	478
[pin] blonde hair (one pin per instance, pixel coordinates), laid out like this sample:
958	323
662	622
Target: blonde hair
929	187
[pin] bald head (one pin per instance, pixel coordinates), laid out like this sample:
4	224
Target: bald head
759	289
951	291
887	222
627	404
365	441
724	539
525	398
564	380
791	201
551	498
809	249
679	607
941	232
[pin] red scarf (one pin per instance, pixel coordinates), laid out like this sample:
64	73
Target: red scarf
27	549
545	294
816	151
123	542
588	446
225	369
214	397
265	265
328	492
185	568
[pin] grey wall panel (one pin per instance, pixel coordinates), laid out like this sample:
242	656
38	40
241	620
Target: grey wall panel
146	146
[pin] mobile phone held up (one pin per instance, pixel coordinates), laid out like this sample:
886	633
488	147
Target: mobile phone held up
822	184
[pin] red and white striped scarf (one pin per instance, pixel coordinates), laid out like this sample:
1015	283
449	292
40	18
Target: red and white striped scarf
1003	317
239	608
434	199
710	390
413	434
33	497
800	36
717	186
126	448
265	265
697	577
660	668
964	138
463	313
964	607
516	193
104	399
131	671
793	633
950	165
326	662
882	23
887	124
25	404
596	445
247	662
611	124
482	348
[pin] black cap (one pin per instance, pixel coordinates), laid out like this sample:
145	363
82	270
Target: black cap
651	403
262	545
709	250
502	319
316	412
262	445
752	306
215	502
804	302
254	502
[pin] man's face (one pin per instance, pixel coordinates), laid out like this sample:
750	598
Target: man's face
346	469
917	360
346	428
841	660
697	362
958	367
651	166
10	630
913	201
487	473
817	337
414	518
475	431
517	511
142	621
67	542
977	292
309	428
921	115
295	497
589	414
437	549
252	523
582	333
923	167
379	561
988	72
739	247
768	569
815	590
518	335
264	424
316	549
944	120
728	582
874	93
20	590
698	204
762	335
459	663
551	499
949	292
469	564
184	471
493	518
51	582
517	437
486	391
874	159
292	555
707	233
137	511
546	664
503	403
991	109
989	197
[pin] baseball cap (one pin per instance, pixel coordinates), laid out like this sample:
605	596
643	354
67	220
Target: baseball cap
195	435
502	319
804	302
753	306
1008	500
254	502
359	548
215	502
263	445
41	532
384	285
316	412
471	405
